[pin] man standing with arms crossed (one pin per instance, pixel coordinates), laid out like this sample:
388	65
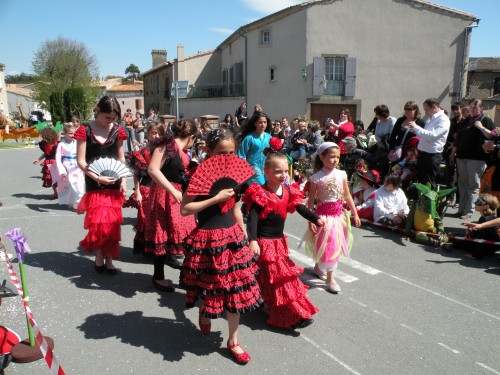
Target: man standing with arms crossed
432	140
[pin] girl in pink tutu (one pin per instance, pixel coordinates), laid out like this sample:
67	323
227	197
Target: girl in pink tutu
329	189
282	291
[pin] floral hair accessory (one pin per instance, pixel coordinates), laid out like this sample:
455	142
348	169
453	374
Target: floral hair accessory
275	144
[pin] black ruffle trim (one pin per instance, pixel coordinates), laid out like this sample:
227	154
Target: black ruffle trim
213	271
218	291
233	246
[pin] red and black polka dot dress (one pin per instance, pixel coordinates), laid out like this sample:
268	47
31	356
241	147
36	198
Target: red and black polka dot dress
165	228
283	292
219	267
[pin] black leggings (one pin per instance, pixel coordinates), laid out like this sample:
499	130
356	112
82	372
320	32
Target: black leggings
159	267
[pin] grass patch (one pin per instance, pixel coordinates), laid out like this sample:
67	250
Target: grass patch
7	145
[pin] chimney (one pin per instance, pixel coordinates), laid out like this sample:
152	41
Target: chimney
159	57
180	52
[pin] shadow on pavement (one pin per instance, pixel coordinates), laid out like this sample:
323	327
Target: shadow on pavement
48	207
80	271
34	196
171	338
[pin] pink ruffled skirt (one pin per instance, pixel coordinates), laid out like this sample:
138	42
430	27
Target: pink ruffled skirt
334	239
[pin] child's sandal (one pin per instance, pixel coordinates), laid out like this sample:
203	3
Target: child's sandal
241	358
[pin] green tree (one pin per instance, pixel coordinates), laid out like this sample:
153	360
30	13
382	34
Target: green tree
61	64
20	78
132	71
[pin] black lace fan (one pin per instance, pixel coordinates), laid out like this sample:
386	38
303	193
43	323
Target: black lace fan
109	167
219	172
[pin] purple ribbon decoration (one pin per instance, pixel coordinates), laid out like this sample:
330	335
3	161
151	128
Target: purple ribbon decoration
20	243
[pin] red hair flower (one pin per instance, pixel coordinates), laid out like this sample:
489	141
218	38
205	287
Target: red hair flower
275	144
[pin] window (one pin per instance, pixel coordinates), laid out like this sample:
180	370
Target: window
334	75
157	83
272	73
496	86
138	104
266	37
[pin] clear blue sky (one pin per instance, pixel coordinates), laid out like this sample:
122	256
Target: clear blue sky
124	32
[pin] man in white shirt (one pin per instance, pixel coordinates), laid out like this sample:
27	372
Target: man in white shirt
432	140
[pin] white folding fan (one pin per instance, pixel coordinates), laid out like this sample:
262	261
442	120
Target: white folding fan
109	167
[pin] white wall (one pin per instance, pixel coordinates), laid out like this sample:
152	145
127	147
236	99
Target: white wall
188	108
403	52
286	96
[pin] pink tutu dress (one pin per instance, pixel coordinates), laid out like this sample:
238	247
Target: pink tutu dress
334	239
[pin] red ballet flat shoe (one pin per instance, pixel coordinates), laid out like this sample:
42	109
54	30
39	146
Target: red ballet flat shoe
241	358
204	328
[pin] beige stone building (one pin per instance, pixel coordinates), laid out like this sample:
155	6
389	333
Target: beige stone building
316	57
483	82
129	95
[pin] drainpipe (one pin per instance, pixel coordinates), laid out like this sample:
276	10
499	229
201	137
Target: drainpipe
246	66
465	60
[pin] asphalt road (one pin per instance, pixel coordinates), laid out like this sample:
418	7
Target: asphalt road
404	308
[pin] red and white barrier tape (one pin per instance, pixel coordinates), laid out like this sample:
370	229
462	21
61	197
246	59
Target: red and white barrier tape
47	352
468	239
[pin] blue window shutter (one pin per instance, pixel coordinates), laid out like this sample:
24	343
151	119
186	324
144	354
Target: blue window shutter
318	76
350	77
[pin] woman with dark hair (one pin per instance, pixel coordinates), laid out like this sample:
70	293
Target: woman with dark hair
228	123
104	195
401	132
165	228
344	128
383	129
253	138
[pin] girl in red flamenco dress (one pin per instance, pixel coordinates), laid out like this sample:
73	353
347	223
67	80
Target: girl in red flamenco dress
284	294
48	145
165	228
219	266
104	195
139	160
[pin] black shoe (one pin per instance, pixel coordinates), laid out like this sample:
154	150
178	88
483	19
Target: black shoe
169	288
99	269
303	323
175	261
111	271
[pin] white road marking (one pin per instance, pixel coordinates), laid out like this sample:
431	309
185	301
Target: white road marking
411	329
442	296
358	302
381	314
488	368
374	271
343	364
349	262
360	266
310	263
447	347
294	237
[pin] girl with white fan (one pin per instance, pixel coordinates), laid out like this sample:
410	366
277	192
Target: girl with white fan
100	155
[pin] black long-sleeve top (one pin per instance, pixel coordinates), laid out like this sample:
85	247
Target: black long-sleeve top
273	225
